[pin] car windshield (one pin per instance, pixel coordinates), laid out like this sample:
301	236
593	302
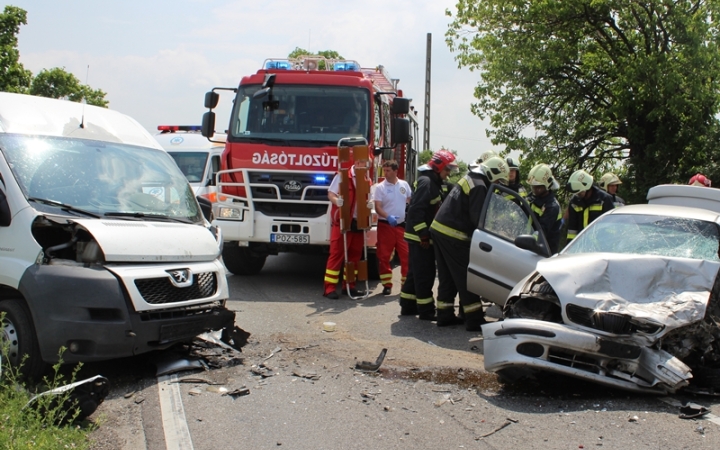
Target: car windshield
300	114
99	178
649	235
192	164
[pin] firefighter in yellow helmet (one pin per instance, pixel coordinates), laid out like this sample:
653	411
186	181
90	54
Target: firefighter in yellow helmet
588	203
610	183
544	204
451	233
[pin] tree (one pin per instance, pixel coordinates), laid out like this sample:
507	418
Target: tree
328	54
13	76
597	84
54	83
58	83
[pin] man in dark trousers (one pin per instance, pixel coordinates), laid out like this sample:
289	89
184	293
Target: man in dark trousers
416	296
452	232
588	203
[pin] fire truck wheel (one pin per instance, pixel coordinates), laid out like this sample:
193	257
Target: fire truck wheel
242	261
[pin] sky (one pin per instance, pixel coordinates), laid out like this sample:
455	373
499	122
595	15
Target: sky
155	59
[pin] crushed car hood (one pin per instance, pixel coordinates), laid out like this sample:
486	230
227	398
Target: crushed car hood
670	291
145	241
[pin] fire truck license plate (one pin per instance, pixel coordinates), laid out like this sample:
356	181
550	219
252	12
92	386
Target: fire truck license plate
290	238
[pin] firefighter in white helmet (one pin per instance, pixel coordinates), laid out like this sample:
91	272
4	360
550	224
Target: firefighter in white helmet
544	204
610	184
451	232
588	203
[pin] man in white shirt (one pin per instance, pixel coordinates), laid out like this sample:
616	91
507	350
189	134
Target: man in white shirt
391	198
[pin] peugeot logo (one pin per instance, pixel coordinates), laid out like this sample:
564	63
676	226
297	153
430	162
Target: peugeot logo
181	278
292	186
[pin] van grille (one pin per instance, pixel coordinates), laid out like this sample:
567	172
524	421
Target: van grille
158	291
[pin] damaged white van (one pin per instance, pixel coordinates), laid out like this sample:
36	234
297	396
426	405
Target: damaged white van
104	249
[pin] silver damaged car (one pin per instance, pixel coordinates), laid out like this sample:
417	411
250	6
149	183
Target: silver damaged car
632	302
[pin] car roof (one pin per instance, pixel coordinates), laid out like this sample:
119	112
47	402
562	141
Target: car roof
684	195
668	210
40	116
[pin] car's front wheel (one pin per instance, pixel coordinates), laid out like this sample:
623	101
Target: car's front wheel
19	341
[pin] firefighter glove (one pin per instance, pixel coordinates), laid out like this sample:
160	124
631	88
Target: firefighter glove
392	220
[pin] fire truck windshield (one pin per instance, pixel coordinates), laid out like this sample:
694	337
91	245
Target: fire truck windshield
300	115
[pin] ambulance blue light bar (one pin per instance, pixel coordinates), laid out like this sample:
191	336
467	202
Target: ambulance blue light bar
172	128
278	65
345	66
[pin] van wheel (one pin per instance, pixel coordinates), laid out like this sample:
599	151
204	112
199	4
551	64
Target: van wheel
242	261
18	334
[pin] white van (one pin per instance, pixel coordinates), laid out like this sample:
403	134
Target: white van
195	155
104	249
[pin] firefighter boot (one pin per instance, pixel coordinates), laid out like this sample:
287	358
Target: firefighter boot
408	307
474	320
446	317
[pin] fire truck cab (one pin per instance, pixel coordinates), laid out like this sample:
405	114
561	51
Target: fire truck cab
281	151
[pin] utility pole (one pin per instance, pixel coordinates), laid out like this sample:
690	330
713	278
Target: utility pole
426	126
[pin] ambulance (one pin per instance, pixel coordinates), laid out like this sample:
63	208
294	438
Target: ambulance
197	158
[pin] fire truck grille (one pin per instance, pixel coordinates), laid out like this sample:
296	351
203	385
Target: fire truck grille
158	291
291	187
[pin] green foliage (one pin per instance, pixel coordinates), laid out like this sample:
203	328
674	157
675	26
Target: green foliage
44	424
53	83
13	76
327	54
597	84
57	83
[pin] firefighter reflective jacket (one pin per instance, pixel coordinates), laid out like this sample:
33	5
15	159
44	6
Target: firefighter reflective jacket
424	203
582	212
547	209
460	212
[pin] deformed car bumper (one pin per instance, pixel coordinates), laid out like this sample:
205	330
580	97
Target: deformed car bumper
526	344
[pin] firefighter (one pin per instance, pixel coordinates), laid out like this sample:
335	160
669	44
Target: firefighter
544	204
451	233
355	239
483	157
416	296
610	184
514	177
588	203
391	198
700	180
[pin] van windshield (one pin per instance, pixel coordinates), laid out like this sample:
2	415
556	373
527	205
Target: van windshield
301	114
99	177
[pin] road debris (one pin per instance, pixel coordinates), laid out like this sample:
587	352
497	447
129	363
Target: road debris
277	350
633	419
239	392
195	391
366	366
84	396
217	389
692	411
262	370
507	423
176	363
308	375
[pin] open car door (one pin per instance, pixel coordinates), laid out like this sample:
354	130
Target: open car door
506	245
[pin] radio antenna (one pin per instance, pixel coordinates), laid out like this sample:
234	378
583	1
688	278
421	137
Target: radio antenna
83	100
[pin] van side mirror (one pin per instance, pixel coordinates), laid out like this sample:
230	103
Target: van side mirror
205	207
400	105
211	99
208	124
5	215
400	131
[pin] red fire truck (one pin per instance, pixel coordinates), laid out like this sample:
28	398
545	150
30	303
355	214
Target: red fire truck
281	151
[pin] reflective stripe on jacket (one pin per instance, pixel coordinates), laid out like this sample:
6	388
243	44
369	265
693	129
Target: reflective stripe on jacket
582	212
460	212
424	203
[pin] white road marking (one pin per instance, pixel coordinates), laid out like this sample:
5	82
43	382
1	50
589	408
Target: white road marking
710	417
177	434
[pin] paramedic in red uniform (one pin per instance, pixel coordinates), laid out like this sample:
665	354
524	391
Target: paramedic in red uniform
336	258
391	198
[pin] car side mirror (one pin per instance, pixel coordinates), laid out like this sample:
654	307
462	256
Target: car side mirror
5	215
528	242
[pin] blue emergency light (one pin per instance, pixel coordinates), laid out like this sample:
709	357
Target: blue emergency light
321	179
345	66
278	65
171	128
